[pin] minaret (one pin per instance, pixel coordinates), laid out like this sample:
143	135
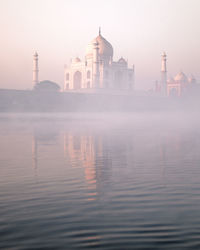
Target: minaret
96	65
35	69
163	74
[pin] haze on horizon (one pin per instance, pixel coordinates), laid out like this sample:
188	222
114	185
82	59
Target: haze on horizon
139	30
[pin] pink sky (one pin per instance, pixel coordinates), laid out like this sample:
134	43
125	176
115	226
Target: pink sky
139	30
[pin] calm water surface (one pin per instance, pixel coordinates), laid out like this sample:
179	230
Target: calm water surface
126	181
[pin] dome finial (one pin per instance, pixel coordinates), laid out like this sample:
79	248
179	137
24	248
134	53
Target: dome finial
99	31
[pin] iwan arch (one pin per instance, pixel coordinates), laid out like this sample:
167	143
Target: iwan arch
98	71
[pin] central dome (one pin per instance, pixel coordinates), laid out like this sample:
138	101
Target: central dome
105	48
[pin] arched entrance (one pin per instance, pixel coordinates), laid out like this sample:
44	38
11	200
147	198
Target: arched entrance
77	80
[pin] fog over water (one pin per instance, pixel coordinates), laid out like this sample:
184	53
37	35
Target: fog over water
106	181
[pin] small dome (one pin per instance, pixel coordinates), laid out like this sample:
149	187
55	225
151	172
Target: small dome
77	60
122	61
47	86
191	79
180	77
105	48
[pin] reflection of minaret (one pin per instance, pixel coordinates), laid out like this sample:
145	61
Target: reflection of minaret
163	74
35	152
35	69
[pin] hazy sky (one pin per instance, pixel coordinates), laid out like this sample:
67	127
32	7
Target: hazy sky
139	30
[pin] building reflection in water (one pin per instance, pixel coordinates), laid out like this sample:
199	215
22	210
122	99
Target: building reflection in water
108	157
96	153
83	150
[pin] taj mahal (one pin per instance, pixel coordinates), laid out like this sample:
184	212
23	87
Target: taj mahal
98	71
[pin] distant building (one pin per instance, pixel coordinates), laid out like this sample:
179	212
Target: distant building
98	70
178	86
